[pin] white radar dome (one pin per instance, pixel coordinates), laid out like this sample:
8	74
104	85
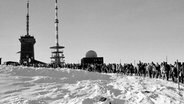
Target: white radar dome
91	54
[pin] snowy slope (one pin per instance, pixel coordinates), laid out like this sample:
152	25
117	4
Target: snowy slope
21	85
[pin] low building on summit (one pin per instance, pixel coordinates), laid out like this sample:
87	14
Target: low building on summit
91	58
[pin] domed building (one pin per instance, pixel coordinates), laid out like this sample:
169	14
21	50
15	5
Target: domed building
91	58
91	54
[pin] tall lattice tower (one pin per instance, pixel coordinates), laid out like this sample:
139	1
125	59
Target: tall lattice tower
57	58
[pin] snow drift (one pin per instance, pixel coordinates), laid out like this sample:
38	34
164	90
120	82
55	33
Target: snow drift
22	85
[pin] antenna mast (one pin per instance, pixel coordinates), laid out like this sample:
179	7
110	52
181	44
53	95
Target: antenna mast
27	27
56	23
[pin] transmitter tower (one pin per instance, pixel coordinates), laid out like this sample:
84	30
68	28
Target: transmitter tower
57	58
27	43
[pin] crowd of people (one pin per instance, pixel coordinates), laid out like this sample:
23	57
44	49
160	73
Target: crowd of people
173	72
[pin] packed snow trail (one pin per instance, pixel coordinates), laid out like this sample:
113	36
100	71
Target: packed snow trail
21	85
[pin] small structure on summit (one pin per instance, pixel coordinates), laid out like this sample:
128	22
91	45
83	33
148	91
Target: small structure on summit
91	58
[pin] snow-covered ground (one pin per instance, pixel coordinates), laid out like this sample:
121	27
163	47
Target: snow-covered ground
21	85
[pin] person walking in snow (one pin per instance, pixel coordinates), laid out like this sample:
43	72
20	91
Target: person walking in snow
182	73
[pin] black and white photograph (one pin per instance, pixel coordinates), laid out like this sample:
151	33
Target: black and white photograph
91	51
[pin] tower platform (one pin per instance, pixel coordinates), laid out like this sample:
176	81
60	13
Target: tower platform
57	58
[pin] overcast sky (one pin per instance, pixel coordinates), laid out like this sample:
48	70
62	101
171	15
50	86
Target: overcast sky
126	30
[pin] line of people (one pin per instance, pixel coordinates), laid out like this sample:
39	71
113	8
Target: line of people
164	70
174	72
